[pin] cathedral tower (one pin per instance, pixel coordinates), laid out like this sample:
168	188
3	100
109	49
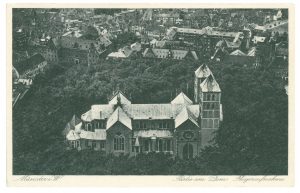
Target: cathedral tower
208	95
200	75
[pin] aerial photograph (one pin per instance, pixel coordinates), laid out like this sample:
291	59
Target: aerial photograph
150	91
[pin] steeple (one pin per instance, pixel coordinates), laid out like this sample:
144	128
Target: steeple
200	75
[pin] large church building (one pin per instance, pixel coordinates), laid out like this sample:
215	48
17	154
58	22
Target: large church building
181	127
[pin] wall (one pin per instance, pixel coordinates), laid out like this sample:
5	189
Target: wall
112	132
85	143
69	55
181	140
153	124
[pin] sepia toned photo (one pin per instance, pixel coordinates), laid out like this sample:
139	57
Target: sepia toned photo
136	92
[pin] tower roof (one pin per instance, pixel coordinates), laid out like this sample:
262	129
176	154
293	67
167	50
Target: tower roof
210	84
203	71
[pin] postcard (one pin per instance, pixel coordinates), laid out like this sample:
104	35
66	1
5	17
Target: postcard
150	95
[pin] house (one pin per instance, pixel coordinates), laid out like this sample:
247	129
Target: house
181	128
280	26
126	52
20	38
169	54
49	50
281	50
167	17
280	61
77	49
31	67
239	57
205	39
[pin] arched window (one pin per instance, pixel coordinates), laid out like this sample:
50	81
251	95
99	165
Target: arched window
119	143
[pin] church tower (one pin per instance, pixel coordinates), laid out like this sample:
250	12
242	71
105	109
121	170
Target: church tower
210	101
208	96
200	75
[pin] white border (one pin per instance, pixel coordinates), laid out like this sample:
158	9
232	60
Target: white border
3	169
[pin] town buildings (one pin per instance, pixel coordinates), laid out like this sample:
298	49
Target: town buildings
182	127
79	50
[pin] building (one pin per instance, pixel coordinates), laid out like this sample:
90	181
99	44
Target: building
49	50
280	60
31	67
79	50
20	39
126	52
181	127
170	54
204	39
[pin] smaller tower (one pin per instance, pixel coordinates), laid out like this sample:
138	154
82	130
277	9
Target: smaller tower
200	75
210	101
210	109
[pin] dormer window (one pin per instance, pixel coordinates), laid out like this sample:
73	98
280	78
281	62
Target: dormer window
88	127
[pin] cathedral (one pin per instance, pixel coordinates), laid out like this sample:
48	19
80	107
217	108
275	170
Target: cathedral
181	128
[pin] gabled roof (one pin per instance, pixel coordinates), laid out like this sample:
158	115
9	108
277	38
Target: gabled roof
52	45
194	54
210	85
185	115
99	134
167	53
221	43
252	52
122	98
88	116
191	54
203	71
121	116
72	135
74	121
148	53
182	99
237	53
170	33
72	124
233	44
127	51
153	111
160	44
118	54
104	40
